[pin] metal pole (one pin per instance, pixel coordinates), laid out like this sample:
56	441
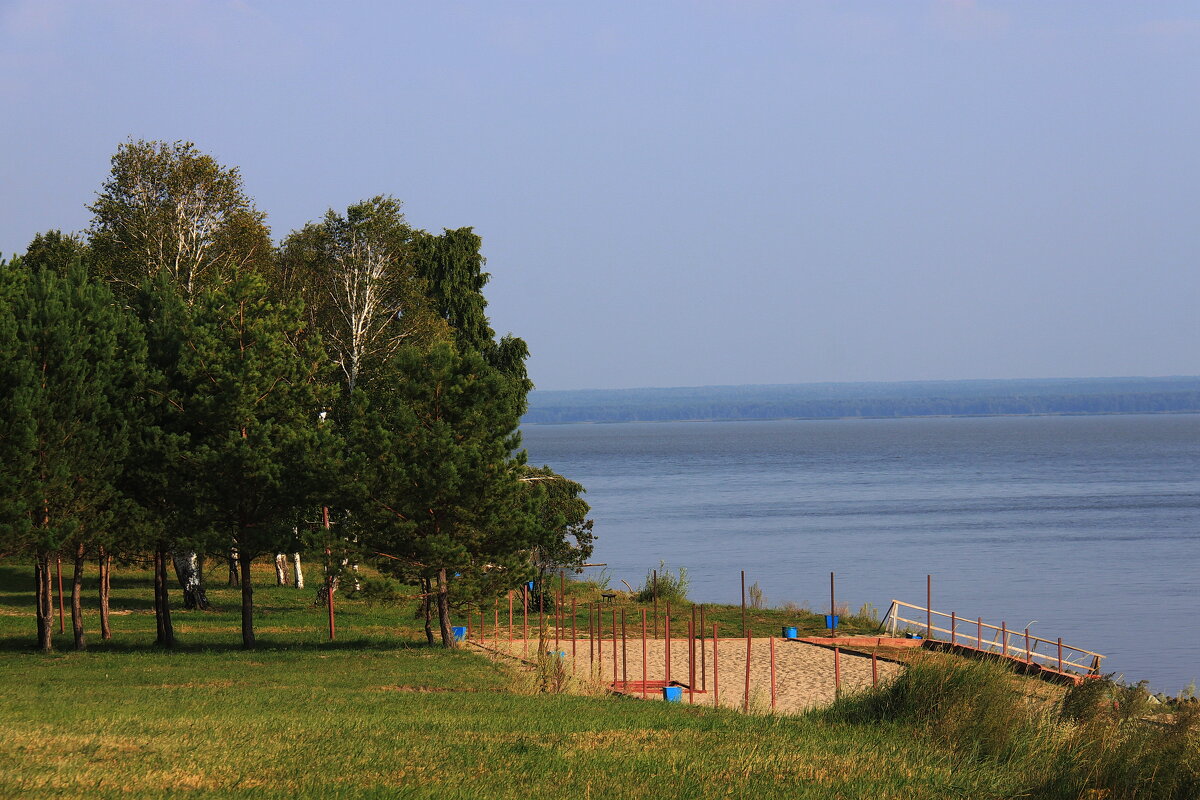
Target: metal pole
716	673
624	651
614	633
837	672
953	626
644	654
524	620
772	673
928	606
746	698
654	591
832	605
573	635
703	657
667	620
691	663
743	602
62	611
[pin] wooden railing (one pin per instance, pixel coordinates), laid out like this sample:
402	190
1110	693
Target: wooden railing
978	635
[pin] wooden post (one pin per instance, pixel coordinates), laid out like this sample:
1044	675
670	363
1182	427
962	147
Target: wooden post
654	592
953	626
510	620
837	672
1060	666
743	602
468	622
667	642
703	658
614	633
643	654
716	670
624	651
746	699
928	606
772	673
524	619
832	606
874	670
573	635
1004	638
691	662
1028	653
979	633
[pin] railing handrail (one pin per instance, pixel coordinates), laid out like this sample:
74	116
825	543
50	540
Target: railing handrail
893	616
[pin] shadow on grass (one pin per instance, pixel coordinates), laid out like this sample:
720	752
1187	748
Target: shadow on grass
27	644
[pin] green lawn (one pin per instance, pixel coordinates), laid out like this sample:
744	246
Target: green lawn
378	714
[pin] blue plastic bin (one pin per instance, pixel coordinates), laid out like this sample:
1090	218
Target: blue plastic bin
673	694
831	621
789	633
460	633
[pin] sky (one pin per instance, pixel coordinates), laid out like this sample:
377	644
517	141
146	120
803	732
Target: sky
686	193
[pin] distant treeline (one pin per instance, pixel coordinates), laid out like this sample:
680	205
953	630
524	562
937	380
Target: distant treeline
839	400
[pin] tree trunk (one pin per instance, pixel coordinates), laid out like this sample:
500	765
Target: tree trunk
443	606
188	572
45	603
233	568
77	600
297	573
162	600
247	602
105	571
281	576
427	608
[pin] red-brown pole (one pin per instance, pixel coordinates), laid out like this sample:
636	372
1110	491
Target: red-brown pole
691	664
654	591
1028	654
573	635
1004	639
667	623
979	633
614	633
928	606
510	620
61	610
496	623
832	606
772	673
703	658
837	671
624	652
591	640
716	672
329	585
874	670
468	622
667	629
746	699
1060	666
557	610
743	602
524	619
644	660
953	626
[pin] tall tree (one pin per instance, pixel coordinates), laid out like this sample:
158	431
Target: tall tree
437	456
175	215
258	454
71	379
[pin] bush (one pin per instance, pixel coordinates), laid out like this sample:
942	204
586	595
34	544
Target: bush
670	588
380	590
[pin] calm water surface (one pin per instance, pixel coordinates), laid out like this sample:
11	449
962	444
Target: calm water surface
1088	526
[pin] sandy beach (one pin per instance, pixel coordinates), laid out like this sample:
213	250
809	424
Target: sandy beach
804	673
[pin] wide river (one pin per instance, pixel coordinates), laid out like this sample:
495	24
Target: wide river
1086	527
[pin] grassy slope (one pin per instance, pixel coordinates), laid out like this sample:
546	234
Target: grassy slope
379	715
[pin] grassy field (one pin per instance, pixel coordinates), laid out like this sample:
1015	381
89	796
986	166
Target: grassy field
378	714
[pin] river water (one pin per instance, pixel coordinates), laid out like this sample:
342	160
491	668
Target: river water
1087	527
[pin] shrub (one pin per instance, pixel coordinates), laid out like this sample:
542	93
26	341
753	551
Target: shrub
670	588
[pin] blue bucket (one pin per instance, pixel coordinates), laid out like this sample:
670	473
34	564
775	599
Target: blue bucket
789	633
831	621
673	694
560	653
460	633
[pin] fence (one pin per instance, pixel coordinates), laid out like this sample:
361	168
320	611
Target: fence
998	640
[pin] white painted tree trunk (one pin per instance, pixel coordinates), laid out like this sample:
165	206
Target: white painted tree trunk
297	573
188	571
281	576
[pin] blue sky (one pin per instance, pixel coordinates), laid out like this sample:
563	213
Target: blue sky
686	193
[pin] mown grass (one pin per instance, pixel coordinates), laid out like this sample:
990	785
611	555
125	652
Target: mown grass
378	714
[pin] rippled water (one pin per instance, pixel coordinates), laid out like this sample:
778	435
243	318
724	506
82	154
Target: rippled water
1088	525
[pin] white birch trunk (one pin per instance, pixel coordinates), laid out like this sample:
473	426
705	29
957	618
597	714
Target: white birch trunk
281	576
297	573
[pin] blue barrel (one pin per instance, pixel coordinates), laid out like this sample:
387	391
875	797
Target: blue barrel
460	633
673	694
831	621
789	633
